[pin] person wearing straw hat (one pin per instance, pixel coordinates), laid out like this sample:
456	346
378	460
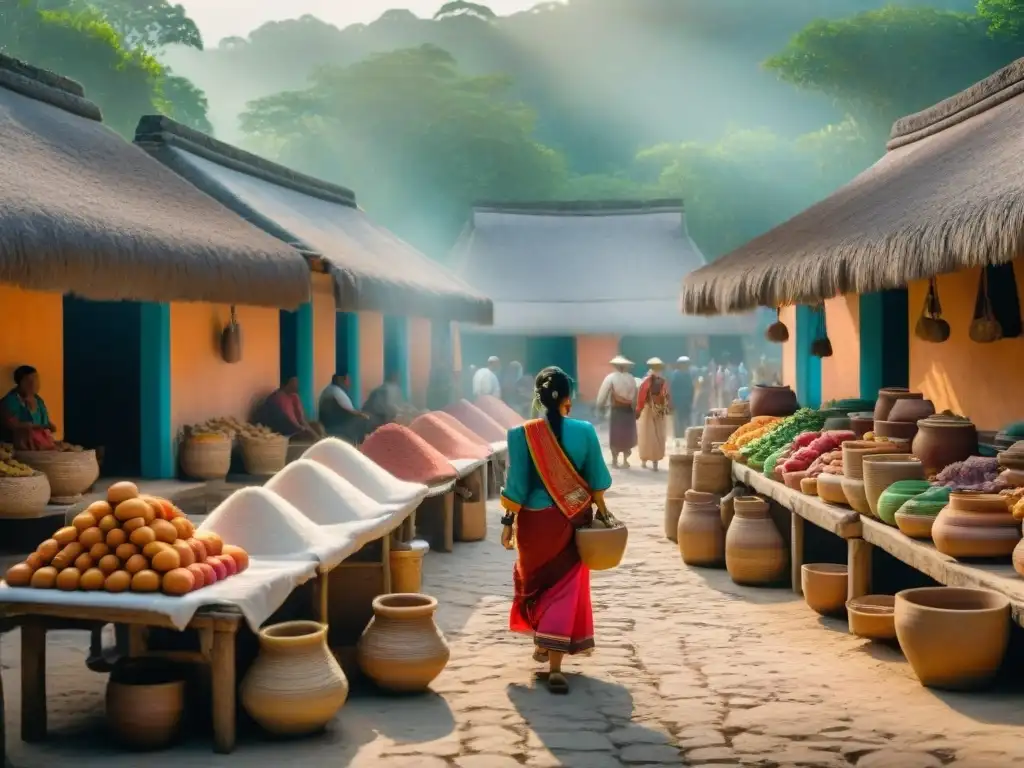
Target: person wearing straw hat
618	393
681	388
653	404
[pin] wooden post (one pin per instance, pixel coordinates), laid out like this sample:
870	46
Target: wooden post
858	567
796	551
385	563
222	668
33	680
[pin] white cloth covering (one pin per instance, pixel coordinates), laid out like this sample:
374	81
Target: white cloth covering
362	472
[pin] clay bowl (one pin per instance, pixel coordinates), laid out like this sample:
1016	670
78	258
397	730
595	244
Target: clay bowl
856	495
897	430
830	489
979	503
793	479
809	485
915	526
824	586
872	616
911	410
862	423
854	452
954	637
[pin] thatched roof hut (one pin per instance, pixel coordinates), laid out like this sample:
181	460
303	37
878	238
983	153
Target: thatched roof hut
576	268
372	268
82	211
947	195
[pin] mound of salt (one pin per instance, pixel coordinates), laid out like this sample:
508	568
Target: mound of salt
362	472
478	421
264	525
461	428
499	411
446	439
323	496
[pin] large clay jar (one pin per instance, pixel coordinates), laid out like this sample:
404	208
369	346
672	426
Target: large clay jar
755	552
772	401
680	475
402	649
976	525
862	423
295	686
953	637
943	440
887	399
715	433
712	472
911	410
701	535
883	469
145	703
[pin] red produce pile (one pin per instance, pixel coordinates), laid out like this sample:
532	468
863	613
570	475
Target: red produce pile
809	446
450	442
461	428
499	411
478	421
407	456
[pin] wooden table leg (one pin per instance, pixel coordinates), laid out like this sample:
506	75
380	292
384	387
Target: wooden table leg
796	551
385	563
858	564
33	680
222	669
322	595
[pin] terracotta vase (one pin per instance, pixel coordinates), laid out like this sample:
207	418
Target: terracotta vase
701	536
854	452
144	704
755	552
712	472
943	441
295	686
402	649
772	401
824	586
887	398
680	475
883	469
896	430
953	637
911	410
976	525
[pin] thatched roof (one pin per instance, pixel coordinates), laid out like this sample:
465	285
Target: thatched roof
372	268
83	211
606	267
947	195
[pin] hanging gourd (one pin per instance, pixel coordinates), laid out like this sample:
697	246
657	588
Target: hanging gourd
930	325
984	328
231	340
821	346
777	332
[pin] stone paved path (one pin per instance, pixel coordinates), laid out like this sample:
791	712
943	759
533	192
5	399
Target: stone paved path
690	670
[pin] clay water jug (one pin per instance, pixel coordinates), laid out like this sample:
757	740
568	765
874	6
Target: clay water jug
755	552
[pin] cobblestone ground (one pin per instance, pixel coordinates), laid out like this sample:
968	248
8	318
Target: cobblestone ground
690	670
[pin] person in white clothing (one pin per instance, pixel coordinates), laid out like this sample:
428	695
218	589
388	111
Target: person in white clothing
337	413
618	393
485	380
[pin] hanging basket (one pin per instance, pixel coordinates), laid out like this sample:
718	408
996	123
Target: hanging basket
930	325
821	346
984	328
231	340
777	332
601	547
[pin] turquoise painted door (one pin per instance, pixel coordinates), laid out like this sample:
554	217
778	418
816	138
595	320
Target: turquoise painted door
808	367
884	342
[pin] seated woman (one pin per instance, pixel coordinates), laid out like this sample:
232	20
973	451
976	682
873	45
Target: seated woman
282	412
24	420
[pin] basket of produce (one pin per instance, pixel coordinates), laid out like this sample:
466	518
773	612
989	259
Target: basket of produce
204	452
264	452
70	469
23	491
602	545
781	435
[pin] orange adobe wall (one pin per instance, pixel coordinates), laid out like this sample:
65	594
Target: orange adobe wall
33	335
202	384
840	374
371	352
592	356
419	360
324	327
980	381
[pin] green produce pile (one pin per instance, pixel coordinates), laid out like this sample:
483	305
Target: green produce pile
804	420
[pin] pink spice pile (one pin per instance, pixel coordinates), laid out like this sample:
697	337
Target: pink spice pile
407	456
448	441
478	421
499	411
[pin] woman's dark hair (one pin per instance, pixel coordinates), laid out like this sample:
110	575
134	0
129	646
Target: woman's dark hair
553	385
21	372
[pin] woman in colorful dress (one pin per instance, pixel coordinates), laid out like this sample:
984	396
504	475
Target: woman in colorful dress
653	404
24	420
556	476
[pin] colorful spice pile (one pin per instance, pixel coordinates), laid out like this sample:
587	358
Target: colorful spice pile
478	421
499	411
978	473
758	451
462	429
448	441
407	456
752	430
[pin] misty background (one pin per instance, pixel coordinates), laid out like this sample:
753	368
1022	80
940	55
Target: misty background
750	110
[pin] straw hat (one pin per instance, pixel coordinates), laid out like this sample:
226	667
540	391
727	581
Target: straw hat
655	362
492	359
620	360
683	359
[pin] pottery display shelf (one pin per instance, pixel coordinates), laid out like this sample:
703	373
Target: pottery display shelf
839	521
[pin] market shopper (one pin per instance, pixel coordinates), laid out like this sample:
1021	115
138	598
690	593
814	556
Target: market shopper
24	419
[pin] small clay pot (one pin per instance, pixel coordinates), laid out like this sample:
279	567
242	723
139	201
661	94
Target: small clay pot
854	452
824	586
898	430
715	433
856	496
883	469
700	535
680	476
887	398
772	401
915	526
942	441
794	479
979	525
809	486
755	552
830	489
872	617
910	409
862	423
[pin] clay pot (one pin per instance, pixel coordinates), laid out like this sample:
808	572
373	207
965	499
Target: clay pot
755	552
854	452
295	686
680	475
793	479
915	526
862	423
712	472
701	536
911	410
887	399
976	525
714	433
809	486
896	430
830	489
693	437
943	441
402	649
145	702
882	470
872	617
953	637
772	401
856	496
824	586
1018	558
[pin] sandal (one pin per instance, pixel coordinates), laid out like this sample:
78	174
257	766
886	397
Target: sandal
540	655
557	683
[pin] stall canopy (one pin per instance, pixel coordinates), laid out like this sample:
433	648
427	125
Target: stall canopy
83	211
947	195
372	268
575	268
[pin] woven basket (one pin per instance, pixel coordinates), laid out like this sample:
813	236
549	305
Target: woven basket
712	473
602	548
70	473
23	496
205	459
693	437
264	456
